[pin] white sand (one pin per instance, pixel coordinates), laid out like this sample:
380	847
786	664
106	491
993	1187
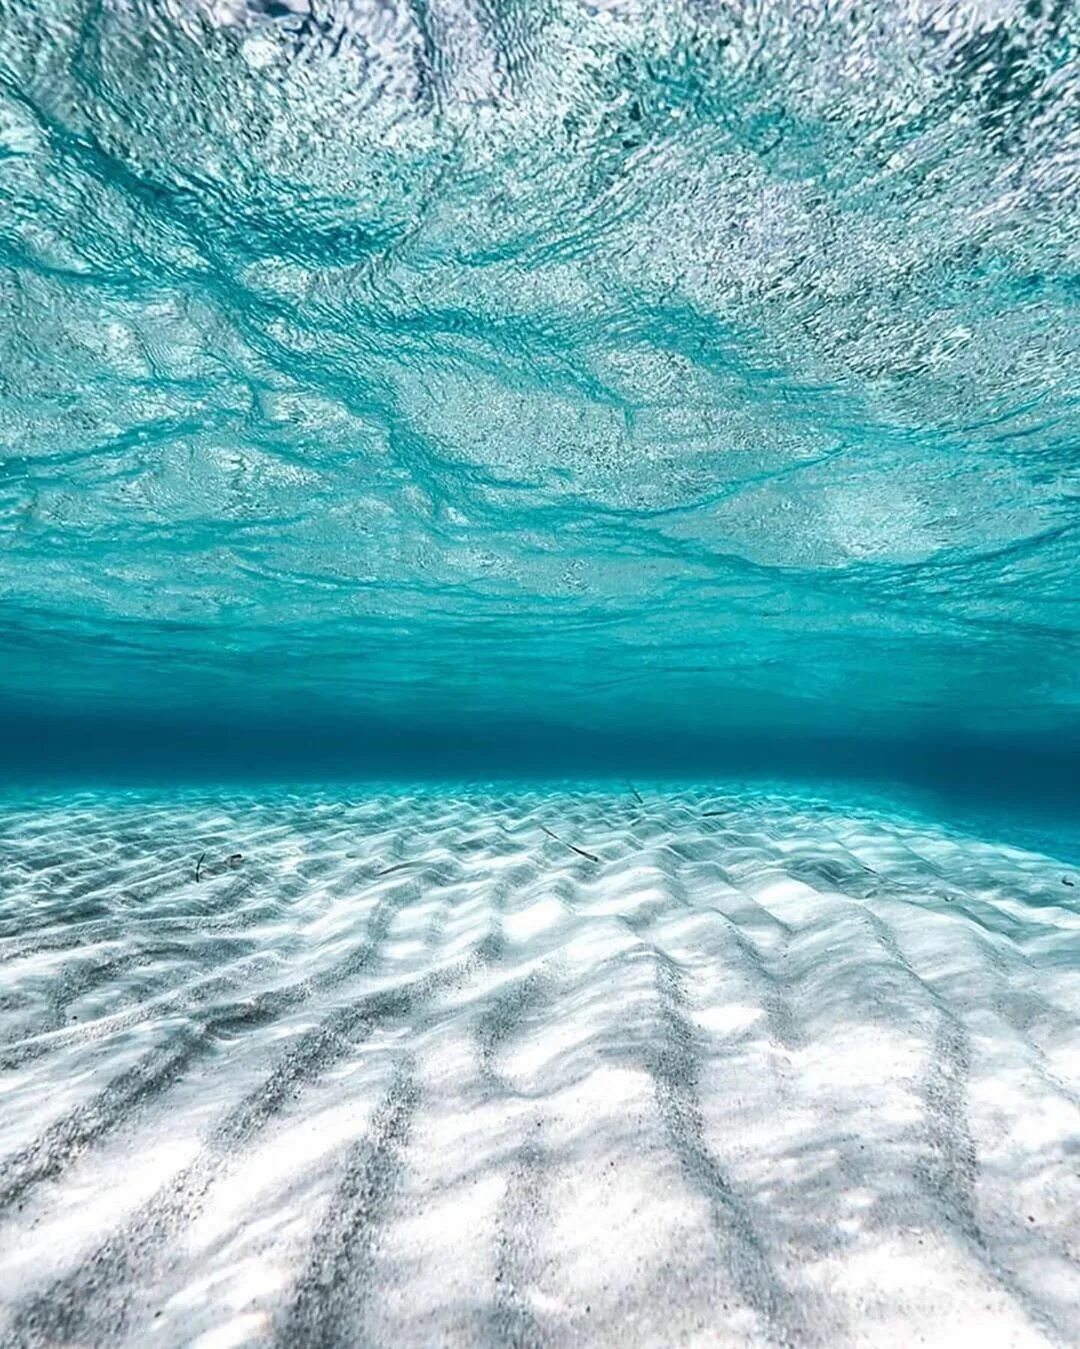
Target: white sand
766	1072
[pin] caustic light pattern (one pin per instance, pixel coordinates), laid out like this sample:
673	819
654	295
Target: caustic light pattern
533	1068
632	370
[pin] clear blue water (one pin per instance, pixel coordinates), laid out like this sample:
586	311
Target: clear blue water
541	386
539	648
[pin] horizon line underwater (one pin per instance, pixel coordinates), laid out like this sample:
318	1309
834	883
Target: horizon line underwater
540	674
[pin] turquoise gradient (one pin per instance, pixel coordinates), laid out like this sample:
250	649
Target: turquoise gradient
581	384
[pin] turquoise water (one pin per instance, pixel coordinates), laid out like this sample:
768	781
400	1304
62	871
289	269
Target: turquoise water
539	647
538	385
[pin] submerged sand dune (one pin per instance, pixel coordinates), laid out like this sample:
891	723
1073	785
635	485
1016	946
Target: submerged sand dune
417	1070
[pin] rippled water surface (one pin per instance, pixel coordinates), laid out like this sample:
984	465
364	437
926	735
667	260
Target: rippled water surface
655	391
610	366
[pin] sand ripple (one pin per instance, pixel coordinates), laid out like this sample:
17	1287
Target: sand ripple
415	1069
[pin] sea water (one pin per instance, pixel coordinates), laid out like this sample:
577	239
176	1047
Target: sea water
541	386
538	677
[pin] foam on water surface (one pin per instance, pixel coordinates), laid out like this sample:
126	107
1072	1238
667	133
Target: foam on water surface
411	1070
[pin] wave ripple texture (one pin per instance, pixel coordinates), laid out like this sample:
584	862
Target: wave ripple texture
614	362
532	1069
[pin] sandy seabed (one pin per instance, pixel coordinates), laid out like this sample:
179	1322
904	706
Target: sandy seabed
398	1070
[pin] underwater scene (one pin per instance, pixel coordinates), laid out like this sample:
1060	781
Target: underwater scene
539	673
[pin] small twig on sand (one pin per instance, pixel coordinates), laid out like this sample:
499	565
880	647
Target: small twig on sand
580	851
637	794
232	862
